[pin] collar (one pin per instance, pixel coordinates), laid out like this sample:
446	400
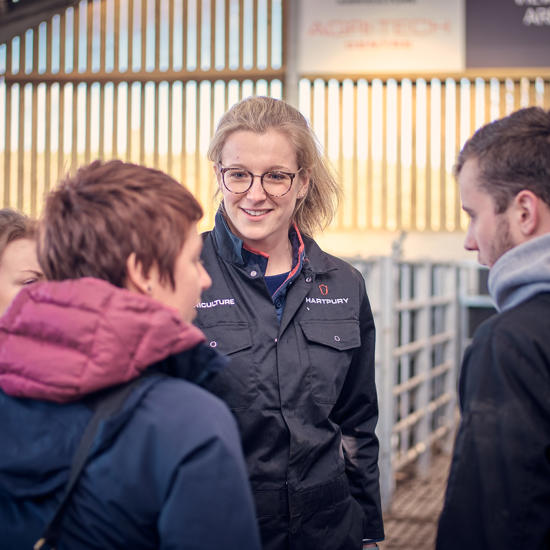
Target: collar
521	273
232	249
229	247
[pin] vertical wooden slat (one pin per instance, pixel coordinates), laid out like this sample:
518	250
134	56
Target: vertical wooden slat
102	36
197	136
428	175
130	35
89	15
226	34
443	164
255	33
354	161
35	45
157	35
34	153
169	128
517	94
23	54
340	92
269	37
384	190
74	159
116	37
75	46
76	42
226	98
116	99
532	92
143	34
142	124
88	107
369	183
183	164
212	106
398	167
285	9
156	88
185	34
129	123
47	139
62	41
472	106
49	47
61	134
20	149
199	57
241	33
458	117
413	219
487	90
212	64
502	98
171	35
210	181
7	151
325	115
101	121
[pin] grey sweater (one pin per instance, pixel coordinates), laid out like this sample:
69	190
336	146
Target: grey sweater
521	273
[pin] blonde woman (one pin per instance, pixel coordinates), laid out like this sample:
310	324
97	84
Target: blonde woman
298	328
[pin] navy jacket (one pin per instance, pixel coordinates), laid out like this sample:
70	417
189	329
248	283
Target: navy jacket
166	471
302	389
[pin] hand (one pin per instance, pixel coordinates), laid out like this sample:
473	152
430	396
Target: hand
370	545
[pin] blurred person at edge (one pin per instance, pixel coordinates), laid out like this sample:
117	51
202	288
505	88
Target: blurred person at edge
297	325
119	246
18	262
498	492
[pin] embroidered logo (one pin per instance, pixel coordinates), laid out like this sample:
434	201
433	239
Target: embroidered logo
327	300
216	303
323	289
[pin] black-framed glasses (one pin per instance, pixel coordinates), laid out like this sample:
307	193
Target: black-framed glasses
275	183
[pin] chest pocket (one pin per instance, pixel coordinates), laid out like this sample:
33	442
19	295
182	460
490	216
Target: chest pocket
330	346
236	384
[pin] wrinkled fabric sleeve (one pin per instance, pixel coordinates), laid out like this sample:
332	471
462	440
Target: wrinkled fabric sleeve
356	412
210	504
498	492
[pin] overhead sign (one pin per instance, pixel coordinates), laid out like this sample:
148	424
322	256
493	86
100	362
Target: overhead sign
380	36
508	33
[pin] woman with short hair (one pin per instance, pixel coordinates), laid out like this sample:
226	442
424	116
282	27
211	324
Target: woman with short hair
119	246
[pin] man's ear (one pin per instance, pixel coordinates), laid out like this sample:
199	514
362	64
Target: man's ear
527	212
136	280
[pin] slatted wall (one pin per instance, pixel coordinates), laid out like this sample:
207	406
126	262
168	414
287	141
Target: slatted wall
146	81
394	142
141	80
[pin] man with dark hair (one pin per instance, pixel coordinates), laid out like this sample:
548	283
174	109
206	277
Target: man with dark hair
498	493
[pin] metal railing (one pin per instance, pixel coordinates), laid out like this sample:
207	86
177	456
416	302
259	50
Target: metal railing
421	311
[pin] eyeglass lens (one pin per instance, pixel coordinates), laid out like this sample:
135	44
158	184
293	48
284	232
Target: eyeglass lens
274	183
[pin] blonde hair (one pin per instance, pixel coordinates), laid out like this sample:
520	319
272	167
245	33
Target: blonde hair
260	114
